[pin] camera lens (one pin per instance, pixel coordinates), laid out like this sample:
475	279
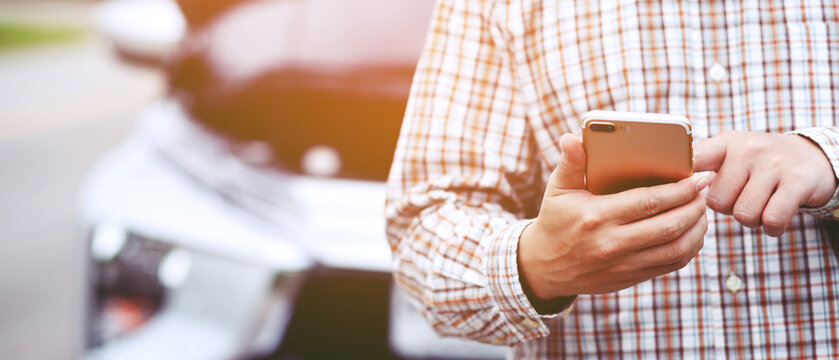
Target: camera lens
602	127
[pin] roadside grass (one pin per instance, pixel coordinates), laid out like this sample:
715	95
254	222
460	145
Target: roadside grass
15	35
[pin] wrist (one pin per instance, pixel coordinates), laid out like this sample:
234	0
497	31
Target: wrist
535	266
828	183
527	263
544	303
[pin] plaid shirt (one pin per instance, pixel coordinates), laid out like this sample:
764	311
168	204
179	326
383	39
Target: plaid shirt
497	85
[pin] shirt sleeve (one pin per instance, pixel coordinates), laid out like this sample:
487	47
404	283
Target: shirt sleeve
827	139
466	176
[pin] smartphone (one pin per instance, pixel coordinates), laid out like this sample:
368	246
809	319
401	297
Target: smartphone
627	150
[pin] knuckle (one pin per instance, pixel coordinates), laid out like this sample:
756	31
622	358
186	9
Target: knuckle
683	252
746	218
773	220
682	263
561	167
773	232
605	252
719	203
754	147
591	220
674	253
671	231
686	256
688	191
774	161
650	204
622	271
698	239
684	192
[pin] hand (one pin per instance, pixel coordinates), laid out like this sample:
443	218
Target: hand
762	179
586	244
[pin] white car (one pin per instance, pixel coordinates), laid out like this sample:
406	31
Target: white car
250	202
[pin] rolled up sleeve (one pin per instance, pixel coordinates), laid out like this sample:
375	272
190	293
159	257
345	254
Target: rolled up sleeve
466	177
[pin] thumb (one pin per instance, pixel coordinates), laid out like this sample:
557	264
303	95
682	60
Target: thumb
570	172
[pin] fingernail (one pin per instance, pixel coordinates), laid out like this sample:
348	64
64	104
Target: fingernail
702	183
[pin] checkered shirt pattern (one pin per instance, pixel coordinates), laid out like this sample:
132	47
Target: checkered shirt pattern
500	81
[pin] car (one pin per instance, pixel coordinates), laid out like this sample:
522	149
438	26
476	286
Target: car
267	160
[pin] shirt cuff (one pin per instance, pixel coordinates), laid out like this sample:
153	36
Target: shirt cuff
828	140
506	288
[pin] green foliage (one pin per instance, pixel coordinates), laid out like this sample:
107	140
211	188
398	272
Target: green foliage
16	35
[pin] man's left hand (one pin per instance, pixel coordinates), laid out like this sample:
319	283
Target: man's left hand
762	179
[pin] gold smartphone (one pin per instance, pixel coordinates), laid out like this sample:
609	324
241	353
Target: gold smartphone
628	150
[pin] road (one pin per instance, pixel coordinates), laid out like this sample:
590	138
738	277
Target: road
61	107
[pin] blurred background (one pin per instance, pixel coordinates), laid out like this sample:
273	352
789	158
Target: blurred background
204	179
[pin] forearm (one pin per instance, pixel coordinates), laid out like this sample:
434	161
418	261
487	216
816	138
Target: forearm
464	172
458	265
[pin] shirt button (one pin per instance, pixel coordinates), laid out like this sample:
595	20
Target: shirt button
531	323
733	283
716	72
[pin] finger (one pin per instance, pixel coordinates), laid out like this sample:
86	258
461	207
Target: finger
665	227
679	251
709	154
639	203
780	209
571	170
748	208
724	191
656	271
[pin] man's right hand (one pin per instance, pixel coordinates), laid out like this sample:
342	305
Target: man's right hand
592	244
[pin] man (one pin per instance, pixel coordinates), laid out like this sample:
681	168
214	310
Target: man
494	236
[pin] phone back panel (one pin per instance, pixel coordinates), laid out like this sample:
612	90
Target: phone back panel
636	154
